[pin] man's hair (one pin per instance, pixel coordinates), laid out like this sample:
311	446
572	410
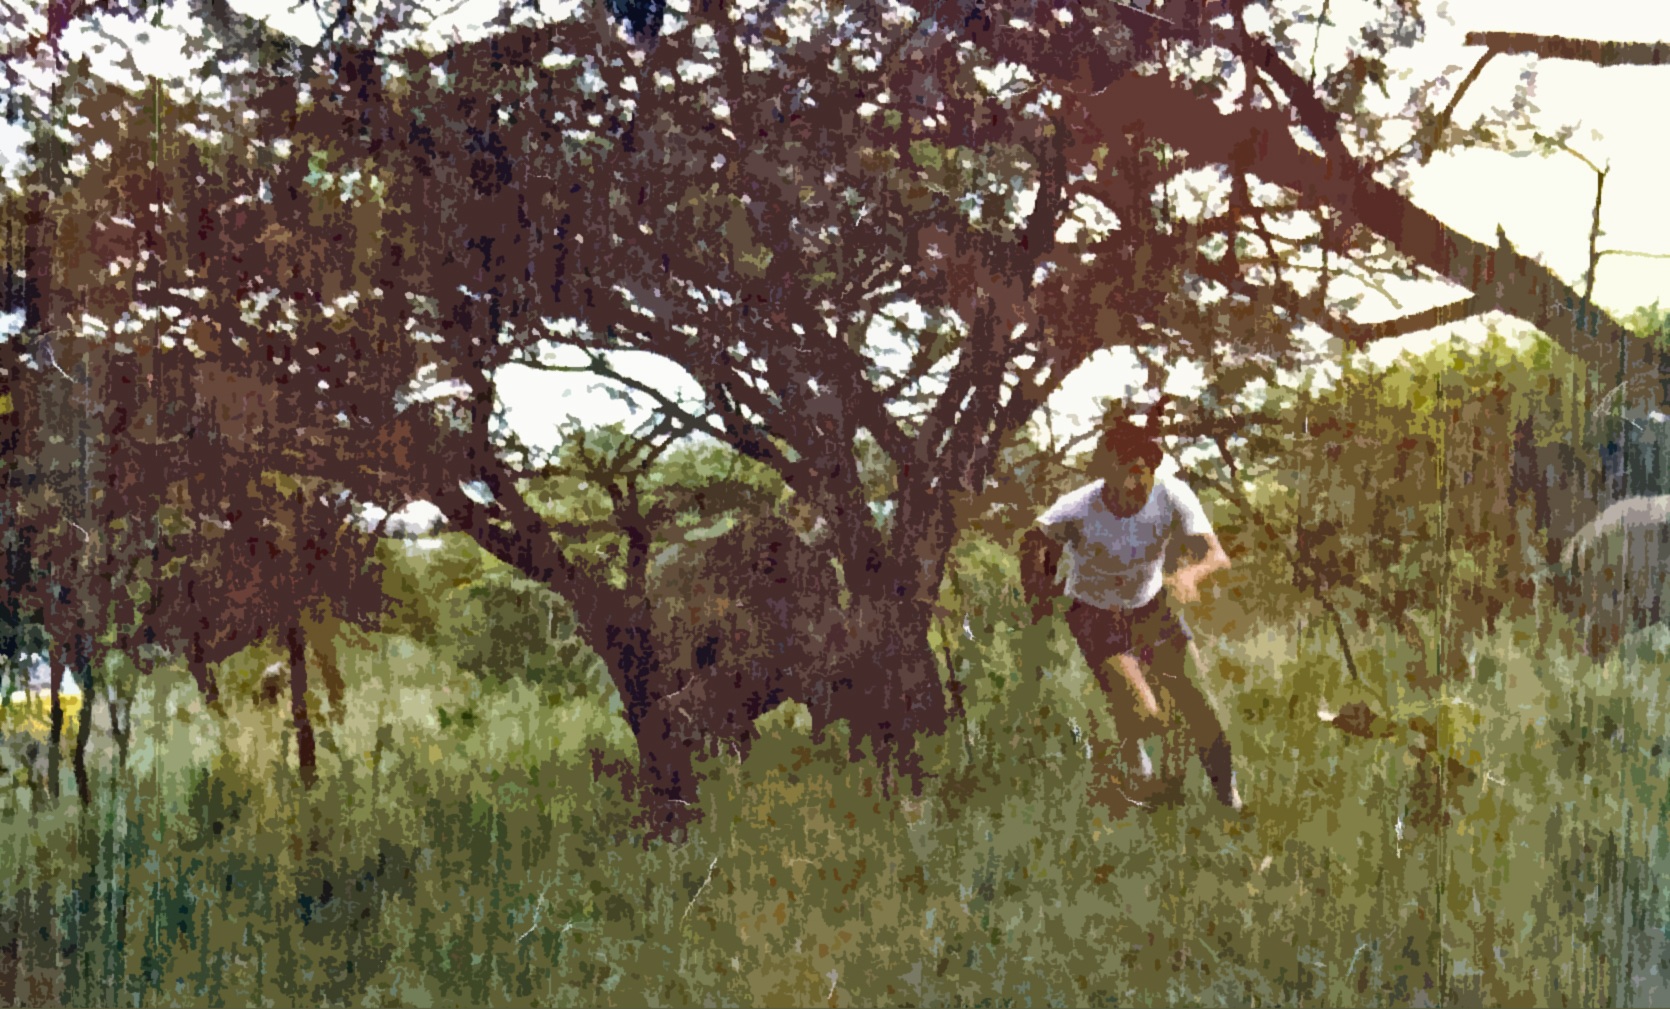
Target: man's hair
1130	442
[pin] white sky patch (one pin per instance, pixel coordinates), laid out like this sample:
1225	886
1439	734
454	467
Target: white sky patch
1004	79
1545	204
1197	193
40	680
886	345
1186	380
1474	331
129	53
1025	200
1089	216
537	403
298	20
414	519
466	21
12	138
1080	401
1324	350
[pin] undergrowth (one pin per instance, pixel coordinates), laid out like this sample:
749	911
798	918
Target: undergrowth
458	848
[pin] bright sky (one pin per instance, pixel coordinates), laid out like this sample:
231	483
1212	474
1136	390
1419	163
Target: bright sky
1543	203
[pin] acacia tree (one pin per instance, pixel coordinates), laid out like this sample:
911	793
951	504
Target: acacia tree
377	231
158	501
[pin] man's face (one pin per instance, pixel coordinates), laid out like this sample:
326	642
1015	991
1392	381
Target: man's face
1129	481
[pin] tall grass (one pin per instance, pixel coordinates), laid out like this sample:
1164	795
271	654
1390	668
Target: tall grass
458	849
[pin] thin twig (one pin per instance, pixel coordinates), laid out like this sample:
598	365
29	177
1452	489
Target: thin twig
1442	123
1592	166
1594	233
697	895
538	905
1316	43
1628	252
1239	499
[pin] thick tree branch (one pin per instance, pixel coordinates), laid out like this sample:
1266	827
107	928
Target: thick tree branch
1558	47
1501	279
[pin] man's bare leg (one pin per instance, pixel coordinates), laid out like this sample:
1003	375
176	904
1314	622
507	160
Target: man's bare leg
1148	706
1200	722
1140	721
1135	708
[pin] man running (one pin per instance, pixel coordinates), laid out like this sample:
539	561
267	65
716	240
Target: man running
1115	533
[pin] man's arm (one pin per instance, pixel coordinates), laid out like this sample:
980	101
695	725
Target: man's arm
1202	555
1040	557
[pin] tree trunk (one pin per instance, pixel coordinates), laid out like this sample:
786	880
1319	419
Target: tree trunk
55	737
83	733
886	684
305	750
207	685
668	739
667	723
121	728
320	627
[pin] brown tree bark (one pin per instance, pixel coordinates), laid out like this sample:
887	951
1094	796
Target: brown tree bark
1558	47
84	724
55	734
306	755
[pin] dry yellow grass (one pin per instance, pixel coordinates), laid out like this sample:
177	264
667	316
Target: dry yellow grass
33	715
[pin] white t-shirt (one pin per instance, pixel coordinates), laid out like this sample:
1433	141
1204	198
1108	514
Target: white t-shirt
1114	562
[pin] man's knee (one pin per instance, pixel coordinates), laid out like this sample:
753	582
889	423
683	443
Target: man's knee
1129	692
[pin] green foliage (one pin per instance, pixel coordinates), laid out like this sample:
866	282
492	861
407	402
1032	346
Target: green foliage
692	493
484	617
1407	496
446	865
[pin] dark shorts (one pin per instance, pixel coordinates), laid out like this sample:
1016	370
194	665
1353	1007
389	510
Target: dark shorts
1103	634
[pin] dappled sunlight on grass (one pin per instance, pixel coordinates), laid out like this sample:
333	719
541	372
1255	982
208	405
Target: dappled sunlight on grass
33	714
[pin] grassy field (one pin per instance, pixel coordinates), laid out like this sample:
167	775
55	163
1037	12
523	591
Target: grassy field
458	850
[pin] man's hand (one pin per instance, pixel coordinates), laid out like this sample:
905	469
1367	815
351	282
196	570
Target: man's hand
1205	555
1040	556
1185	586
